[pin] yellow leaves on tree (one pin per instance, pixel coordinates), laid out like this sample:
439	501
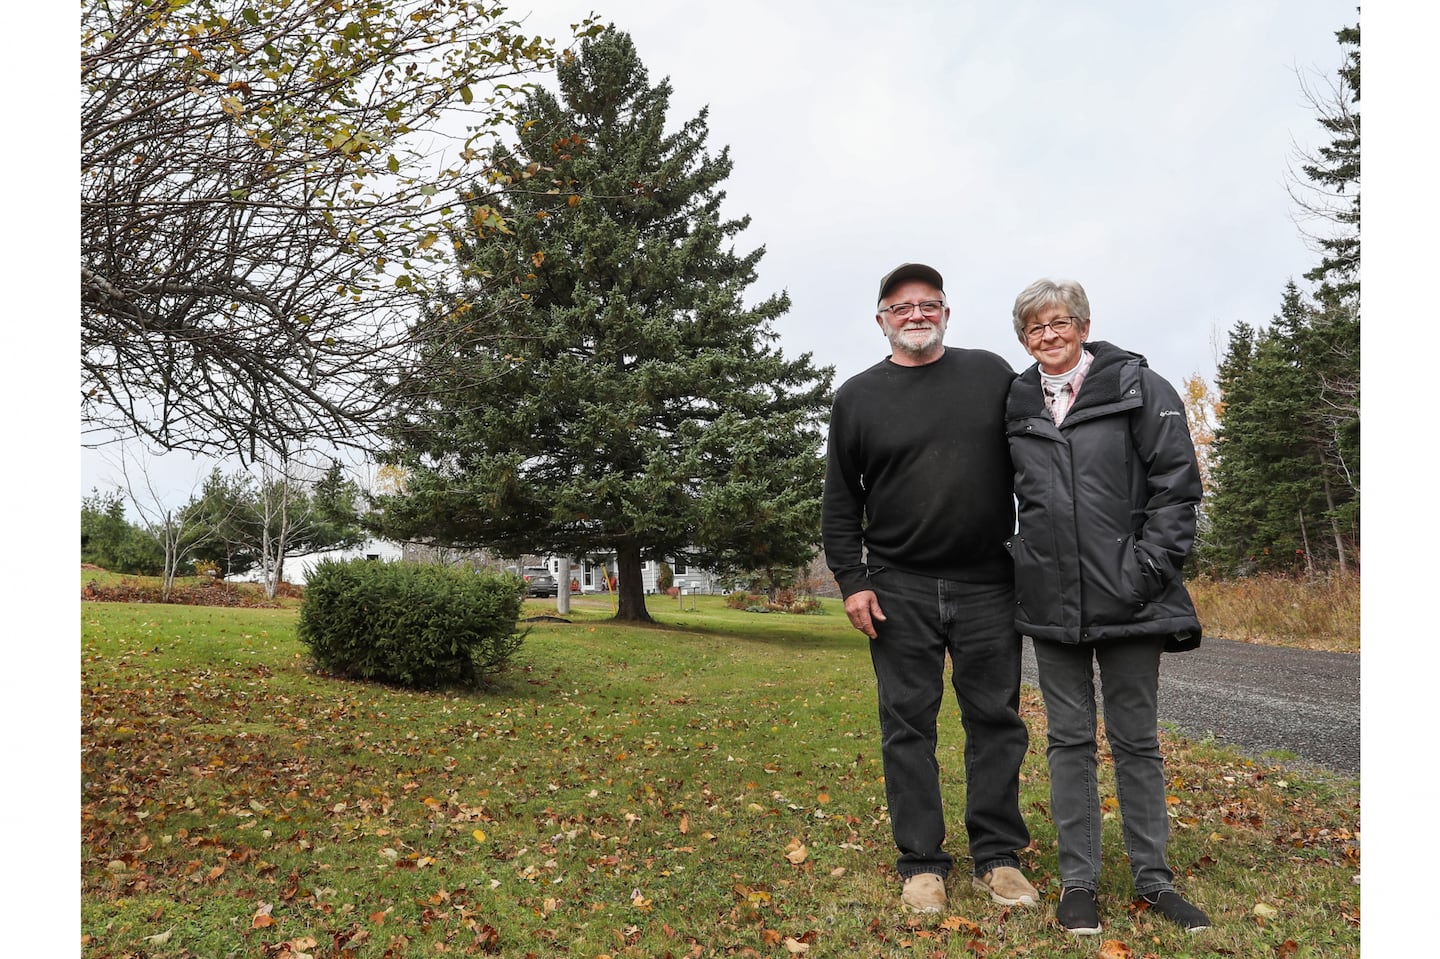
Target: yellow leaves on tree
1204	410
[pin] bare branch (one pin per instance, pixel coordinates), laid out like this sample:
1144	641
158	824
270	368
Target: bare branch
263	185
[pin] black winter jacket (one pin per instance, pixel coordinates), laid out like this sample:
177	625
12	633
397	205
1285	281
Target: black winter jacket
1107	506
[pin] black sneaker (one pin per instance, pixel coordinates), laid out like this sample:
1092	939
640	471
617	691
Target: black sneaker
1077	913
1173	906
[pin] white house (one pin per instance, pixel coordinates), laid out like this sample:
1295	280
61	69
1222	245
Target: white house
298	567
592	573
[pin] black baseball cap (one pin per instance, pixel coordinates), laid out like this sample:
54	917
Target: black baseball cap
910	271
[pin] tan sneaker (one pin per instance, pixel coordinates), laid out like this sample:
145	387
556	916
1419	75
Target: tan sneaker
1008	885
924	892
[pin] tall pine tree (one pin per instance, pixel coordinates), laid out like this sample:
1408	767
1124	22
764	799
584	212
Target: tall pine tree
1287	472
1334	173
597	382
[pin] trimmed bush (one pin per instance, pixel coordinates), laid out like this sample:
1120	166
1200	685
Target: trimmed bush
421	625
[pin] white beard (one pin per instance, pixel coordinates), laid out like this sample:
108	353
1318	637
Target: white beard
907	341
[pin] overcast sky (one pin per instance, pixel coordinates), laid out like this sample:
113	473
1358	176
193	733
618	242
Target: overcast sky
1138	147
1141	148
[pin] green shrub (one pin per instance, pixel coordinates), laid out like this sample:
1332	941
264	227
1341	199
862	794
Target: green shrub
422	625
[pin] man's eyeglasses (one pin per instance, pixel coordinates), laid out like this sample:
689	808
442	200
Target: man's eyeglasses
928	309
1059	326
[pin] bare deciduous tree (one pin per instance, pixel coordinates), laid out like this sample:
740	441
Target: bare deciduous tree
261	187
178	530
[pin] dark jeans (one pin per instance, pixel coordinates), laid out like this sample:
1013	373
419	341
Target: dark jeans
1130	686
974	622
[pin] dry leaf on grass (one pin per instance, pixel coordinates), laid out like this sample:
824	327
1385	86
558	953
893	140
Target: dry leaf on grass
1115	949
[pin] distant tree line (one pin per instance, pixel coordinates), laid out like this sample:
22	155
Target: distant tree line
1283	469
235	525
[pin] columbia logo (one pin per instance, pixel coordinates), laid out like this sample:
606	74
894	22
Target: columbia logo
1169	412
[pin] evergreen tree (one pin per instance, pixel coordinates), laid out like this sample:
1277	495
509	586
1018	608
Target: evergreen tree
1332	343
1334	172
1276	504
597	383
259	525
222	505
1286	471
110	541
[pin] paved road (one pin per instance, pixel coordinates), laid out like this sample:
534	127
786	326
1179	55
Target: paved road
1261	698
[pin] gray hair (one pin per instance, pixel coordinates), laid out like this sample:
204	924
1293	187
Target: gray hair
1046	293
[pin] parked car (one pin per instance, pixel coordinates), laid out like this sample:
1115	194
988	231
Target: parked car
539	582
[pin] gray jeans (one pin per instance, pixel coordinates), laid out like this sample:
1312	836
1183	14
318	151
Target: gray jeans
1129	682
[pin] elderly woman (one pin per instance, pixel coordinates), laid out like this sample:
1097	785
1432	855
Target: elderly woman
1107	485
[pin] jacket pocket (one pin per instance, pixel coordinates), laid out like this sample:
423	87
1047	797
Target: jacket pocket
1143	576
1032	584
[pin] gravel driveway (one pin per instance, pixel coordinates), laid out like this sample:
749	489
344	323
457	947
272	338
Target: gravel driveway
1260	698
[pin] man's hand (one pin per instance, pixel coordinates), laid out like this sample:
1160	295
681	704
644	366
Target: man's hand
864	611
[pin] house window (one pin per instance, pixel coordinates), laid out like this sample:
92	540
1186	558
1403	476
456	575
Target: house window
679	568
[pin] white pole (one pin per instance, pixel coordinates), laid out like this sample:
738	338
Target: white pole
562	588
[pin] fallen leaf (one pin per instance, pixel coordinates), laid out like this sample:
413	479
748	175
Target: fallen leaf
1115	949
262	917
1265	910
160	938
796	852
959	923
479	835
795	947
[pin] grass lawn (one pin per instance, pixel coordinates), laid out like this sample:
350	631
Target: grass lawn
710	786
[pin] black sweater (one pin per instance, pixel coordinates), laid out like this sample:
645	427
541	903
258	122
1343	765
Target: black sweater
918	471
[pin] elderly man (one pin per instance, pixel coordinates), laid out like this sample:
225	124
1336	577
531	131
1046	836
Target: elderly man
916	510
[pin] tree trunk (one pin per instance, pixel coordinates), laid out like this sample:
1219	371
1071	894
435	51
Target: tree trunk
1334	526
171	540
630	591
1305	542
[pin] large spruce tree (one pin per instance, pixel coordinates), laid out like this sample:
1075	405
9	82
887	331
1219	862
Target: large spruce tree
1334	174
597	382
1286	480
